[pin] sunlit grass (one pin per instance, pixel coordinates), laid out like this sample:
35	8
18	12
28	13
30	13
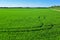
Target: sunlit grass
33	24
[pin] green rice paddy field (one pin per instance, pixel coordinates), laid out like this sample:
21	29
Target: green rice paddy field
29	24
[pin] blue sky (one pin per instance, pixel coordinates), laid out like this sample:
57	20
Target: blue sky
28	3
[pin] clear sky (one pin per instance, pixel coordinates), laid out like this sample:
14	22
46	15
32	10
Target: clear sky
28	3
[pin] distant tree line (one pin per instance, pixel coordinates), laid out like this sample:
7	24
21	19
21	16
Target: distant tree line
26	7
10	7
55	6
34	7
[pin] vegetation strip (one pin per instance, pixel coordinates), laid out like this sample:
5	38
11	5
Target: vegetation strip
56	10
23	30
26	30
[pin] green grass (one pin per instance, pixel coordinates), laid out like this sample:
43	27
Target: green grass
31	24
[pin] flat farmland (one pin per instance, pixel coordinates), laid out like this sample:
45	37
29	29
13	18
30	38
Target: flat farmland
29	24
